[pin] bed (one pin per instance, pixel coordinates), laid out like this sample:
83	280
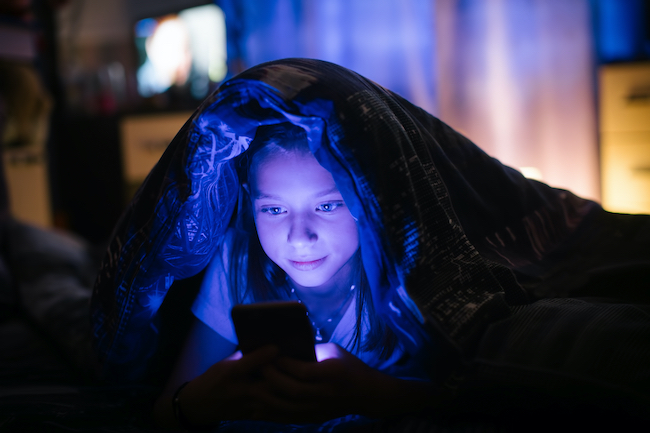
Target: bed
43	325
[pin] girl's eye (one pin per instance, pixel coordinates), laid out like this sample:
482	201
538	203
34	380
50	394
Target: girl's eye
273	210
329	207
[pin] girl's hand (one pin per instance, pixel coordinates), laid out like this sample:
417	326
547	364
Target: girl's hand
228	389
297	391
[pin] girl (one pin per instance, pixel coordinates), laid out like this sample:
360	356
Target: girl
294	238
416	253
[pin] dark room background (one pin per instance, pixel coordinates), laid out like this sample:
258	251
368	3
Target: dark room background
535	83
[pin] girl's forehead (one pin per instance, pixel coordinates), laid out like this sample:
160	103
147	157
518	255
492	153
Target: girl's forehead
289	160
293	171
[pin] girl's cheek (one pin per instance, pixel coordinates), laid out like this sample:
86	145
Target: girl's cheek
267	230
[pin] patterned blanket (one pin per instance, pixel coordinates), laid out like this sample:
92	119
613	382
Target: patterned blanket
489	278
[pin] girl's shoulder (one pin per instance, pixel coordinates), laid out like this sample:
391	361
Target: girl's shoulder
228	266
219	266
215	299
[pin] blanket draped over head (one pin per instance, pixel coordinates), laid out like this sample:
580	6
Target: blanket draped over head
462	253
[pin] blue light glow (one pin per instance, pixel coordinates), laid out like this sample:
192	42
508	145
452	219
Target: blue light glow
145	28
326	351
620	30
155	300
385	41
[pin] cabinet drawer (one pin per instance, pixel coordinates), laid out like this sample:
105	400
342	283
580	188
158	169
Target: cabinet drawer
625	164
145	138
625	97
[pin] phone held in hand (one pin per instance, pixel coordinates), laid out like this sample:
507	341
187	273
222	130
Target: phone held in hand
283	324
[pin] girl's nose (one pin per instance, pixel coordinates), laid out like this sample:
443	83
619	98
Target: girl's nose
301	232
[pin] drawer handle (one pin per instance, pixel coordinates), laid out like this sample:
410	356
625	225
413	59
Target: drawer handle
639	95
641	170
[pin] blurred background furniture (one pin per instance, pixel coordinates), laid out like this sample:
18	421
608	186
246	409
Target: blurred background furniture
625	136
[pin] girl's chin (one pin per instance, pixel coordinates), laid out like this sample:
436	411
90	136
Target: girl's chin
309	283
313	282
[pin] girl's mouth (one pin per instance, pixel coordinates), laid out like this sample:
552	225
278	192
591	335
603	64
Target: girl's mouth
307	266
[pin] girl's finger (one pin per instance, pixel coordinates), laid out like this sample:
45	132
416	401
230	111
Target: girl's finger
328	351
311	371
256	359
277	408
234	357
290	387
295	368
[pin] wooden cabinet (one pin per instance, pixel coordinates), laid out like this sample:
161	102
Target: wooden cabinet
625	137
144	139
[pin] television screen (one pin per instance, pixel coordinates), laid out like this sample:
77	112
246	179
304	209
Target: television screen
183	52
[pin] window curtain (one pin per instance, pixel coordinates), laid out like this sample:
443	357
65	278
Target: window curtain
391	42
516	76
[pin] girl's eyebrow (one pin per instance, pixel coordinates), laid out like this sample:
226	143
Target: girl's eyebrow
265	196
262	196
334	190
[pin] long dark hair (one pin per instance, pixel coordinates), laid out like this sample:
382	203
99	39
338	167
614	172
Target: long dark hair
253	275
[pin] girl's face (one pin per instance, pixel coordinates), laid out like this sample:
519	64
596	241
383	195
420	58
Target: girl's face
302	222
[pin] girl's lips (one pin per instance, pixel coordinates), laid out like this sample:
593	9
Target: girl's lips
307	266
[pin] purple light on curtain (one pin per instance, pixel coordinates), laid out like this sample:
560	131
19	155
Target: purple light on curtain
517	77
390	42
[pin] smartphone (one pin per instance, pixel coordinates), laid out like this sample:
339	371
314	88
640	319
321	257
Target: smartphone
282	324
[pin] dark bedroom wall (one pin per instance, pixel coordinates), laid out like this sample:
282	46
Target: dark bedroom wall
88	196
96	66
90	176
